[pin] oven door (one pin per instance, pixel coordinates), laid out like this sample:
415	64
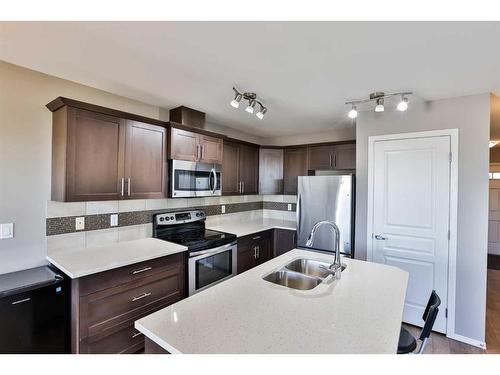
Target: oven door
191	179
209	267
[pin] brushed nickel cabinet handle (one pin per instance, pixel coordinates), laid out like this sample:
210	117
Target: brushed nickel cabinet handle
136	334
331	160
128	186
255	238
141	270
123	186
258	251
21	301
335	160
144	295
255	252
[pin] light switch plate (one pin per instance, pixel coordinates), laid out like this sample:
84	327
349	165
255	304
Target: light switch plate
223	209
6	231
80	223
113	220
289	206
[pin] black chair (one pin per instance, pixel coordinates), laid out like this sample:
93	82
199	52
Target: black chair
407	343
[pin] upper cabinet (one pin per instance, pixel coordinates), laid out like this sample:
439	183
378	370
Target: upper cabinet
191	146
332	157
240	169
294	165
271	171
98	156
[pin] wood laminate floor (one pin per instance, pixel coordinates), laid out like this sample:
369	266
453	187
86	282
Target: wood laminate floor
440	344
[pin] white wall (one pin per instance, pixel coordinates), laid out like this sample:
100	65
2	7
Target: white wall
471	115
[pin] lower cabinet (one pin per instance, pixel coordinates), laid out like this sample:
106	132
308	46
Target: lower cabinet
260	247
106	305
284	240
253	250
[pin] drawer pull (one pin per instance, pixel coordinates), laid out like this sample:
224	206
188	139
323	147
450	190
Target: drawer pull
256	238
144	295
136	334
141	270
21	301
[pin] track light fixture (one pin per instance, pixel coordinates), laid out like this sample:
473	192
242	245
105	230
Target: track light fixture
379	99
252	102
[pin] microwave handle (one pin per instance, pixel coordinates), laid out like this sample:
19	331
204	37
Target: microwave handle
212	172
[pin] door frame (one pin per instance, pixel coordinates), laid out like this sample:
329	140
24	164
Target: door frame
452	250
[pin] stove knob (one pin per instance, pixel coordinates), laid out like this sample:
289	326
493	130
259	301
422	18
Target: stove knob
167	218
161	219
171	218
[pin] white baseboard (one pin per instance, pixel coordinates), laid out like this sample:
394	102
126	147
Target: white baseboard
468	340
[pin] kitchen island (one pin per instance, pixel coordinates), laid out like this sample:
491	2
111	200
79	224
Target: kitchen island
360	313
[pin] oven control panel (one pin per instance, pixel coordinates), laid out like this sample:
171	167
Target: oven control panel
170	218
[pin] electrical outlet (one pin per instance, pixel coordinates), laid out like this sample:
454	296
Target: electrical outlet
6	231
113	220
80	223
289	206
223	209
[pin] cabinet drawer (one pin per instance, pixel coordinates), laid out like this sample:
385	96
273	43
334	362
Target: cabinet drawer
113	306
126	340
254	238
127	274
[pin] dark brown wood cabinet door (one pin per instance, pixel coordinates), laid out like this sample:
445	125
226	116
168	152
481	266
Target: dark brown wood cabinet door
184	145
95	157
145	160
210	149
231	168
246	258
345	156
320	157
249	169
294	165
264	251
271	171
284	240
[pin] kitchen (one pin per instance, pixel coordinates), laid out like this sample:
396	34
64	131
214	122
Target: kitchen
167	231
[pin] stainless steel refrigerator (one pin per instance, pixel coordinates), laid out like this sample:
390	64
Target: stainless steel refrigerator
326	198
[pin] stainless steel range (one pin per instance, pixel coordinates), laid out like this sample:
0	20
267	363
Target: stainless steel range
212	254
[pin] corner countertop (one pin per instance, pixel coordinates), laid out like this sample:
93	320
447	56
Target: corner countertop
82	262
360	313
246	227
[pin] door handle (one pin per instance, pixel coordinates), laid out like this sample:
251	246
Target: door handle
255	252
331	160
128	186
21	301
380	237
123	186
335	160
136	334
215	180
141	270
201	151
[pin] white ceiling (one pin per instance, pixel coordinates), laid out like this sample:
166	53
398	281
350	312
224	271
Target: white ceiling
304	71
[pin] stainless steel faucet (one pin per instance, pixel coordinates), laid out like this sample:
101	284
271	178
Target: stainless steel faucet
336	267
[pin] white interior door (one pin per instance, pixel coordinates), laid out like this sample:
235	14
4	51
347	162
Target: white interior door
411	216
494	210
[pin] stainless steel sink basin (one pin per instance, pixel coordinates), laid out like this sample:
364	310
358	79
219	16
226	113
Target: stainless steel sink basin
309	267
293	280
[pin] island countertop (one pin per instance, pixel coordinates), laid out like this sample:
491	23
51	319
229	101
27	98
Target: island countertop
360	313
245	227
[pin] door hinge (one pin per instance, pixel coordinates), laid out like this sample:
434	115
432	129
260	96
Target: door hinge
446	312
451	157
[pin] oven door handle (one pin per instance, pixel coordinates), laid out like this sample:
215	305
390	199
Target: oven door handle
212	251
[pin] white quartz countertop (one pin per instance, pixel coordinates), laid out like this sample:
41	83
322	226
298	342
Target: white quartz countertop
246	227
82	262
360	313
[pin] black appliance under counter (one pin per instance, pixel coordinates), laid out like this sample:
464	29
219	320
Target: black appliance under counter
33	312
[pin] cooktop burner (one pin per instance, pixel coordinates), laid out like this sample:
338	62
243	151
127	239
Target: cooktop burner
187	228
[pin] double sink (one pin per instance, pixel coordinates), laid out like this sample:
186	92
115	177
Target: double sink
301	273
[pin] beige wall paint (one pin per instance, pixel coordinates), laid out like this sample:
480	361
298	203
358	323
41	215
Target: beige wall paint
335	135
471	115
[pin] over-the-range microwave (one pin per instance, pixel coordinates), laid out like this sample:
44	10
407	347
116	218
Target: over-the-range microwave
194	179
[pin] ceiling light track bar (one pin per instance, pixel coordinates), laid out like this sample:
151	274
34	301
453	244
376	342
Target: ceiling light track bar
252	99
374	97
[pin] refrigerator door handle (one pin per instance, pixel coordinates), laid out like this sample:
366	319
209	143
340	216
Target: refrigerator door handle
297	212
